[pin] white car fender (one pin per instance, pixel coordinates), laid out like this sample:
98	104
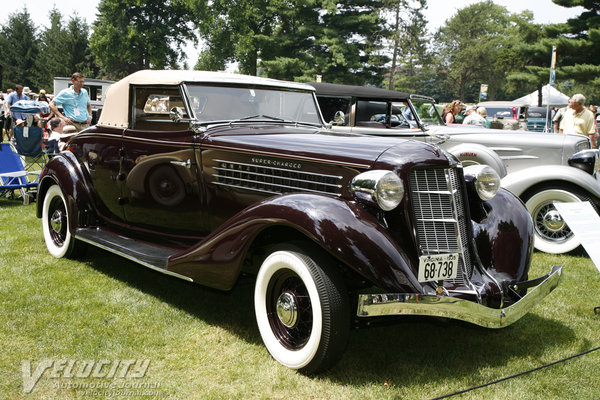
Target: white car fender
518	182
472	153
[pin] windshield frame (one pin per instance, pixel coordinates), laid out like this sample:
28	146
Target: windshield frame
427	99
186	86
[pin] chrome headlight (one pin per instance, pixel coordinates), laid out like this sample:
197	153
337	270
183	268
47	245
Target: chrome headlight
378	187
485	180
583	145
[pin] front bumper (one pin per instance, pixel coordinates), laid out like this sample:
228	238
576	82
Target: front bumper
375	305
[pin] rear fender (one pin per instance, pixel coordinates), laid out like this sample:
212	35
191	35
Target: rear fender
520	181
64	171
345	229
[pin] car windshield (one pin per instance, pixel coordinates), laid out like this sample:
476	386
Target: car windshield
501	112
426	110
225	103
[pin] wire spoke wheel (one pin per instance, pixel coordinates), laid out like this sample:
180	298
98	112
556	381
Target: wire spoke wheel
302	310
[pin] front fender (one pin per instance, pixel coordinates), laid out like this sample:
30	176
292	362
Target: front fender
504	238
345	229
470	153
64	171
520	181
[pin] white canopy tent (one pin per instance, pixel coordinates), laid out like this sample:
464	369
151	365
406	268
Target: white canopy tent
550	96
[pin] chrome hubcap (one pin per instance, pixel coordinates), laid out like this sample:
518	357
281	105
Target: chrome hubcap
56	220
287	310
553	221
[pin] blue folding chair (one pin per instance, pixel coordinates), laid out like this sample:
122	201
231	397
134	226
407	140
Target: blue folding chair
14	176
28	142
28	139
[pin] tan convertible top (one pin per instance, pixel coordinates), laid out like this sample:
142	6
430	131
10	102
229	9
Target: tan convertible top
115	112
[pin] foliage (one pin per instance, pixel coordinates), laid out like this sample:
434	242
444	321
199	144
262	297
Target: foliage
130	35
479	45
295	39
64	50
410	55
203	343
19	49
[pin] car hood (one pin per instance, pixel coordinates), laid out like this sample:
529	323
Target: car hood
318	145
554	148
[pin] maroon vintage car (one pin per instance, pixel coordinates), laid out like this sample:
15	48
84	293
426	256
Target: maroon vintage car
204	176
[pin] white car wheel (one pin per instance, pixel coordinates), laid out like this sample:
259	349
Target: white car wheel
55	223
552	234
301	311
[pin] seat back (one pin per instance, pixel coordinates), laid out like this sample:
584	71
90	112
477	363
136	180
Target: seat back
28	140
9	160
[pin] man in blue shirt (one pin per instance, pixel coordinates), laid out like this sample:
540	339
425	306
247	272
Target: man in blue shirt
12	98
75	101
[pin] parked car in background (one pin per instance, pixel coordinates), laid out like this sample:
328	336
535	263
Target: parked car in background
537	119
240	176
540	168
506	114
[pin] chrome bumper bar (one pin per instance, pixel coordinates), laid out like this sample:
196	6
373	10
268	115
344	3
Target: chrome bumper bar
374	305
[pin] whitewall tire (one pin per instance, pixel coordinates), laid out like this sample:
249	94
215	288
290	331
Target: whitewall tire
302	311
55	224
552	234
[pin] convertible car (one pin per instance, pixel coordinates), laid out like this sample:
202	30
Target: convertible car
240	176
540	168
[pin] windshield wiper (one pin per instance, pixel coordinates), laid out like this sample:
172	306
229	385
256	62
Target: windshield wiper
259	116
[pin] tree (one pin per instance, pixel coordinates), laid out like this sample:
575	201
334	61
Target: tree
64	50
478	45
348	49
295	39
409	45
578	46
130	35
19	48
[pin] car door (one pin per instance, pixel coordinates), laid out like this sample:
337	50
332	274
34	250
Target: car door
161	190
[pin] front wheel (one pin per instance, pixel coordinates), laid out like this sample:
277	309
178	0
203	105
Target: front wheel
552	234
55	224
302	311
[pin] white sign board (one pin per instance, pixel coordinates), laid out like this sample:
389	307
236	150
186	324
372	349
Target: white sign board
585	224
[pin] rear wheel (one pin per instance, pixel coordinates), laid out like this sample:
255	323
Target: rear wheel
55	224
552	234
302	311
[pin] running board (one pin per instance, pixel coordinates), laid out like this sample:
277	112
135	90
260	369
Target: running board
144	253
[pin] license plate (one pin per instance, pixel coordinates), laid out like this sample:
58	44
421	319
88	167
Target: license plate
437	267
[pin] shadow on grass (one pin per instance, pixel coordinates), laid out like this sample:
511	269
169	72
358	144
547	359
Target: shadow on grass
412	351
421	350
232	310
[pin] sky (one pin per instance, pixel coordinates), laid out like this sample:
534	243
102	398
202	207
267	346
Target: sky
438	11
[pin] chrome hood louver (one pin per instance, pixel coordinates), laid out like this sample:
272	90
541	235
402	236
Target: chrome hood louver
274	179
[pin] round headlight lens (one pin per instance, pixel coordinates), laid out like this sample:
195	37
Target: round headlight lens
378	187
389	191
487	181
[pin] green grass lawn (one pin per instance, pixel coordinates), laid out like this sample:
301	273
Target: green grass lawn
203	343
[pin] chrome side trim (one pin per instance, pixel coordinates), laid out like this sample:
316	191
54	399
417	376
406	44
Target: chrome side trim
374	305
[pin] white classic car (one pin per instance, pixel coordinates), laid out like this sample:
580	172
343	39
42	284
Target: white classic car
540	168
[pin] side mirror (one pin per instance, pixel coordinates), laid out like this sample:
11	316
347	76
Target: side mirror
338	118
176	114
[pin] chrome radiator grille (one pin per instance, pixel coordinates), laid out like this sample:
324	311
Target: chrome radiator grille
440	215
272	180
